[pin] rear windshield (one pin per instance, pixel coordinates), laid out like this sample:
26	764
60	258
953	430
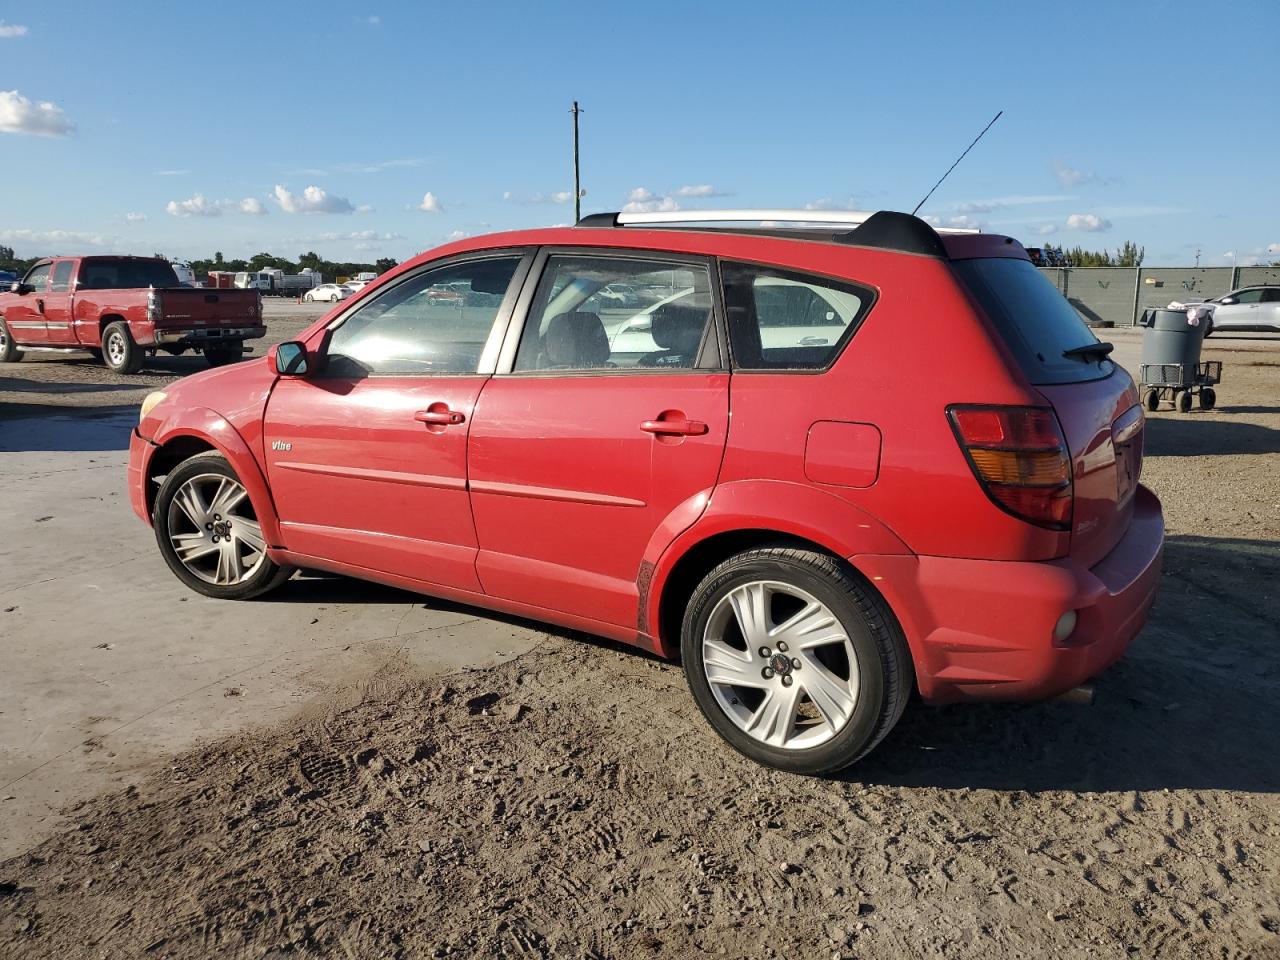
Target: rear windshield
104	273
1035	320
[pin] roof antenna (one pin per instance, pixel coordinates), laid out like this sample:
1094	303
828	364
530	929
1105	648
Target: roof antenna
958	159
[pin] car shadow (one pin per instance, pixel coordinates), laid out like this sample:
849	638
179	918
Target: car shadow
47	427
1191	435
1190	706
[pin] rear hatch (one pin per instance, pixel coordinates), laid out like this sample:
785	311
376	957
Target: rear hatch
1095	399
181	307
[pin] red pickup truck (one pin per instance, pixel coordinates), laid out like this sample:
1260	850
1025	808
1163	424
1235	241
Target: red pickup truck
122	309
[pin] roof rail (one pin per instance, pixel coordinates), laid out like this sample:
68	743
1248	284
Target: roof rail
886	229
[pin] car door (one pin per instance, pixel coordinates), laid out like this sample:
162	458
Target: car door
1242	311
367	456
1269	312
24	316
58	320
604	424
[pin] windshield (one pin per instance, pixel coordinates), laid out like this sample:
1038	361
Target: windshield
1034	319
105	273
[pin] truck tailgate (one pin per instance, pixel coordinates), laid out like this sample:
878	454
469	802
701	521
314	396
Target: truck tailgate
195	307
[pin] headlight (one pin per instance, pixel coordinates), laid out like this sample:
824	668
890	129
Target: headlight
149	403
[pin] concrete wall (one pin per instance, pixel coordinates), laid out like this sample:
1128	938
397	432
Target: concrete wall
1119	294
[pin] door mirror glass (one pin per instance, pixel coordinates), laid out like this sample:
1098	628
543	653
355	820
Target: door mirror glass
19	287
1227	301
291	359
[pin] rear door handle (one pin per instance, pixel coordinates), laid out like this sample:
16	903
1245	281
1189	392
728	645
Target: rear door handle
681	428
446	417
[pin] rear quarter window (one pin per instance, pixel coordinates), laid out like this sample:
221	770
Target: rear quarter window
1033	319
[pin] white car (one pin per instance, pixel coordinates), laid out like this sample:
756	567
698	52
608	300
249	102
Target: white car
327	293
355	286
1250	308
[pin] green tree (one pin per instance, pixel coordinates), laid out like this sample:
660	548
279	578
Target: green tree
385	264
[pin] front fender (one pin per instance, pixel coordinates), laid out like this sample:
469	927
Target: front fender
775	506
210	427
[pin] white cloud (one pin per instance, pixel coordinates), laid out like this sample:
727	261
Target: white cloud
1046	229
373	21
9	30
962	222
1089	222
20	115
172	173
43	242
640	195
364	208
701	190
359	236
430	203
252	206
1074	177
197	205
457	235
135	217
1273	248
643	200
826	203
506	195
313	199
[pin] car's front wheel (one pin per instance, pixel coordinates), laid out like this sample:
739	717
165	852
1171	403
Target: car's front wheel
9	352
794	660
209	533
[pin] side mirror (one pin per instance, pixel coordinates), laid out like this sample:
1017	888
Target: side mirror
1226	301
288	359
20	288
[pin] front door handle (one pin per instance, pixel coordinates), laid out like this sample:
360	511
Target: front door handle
680	428
445	417
39	306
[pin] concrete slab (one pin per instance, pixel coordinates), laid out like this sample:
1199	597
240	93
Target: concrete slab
108	664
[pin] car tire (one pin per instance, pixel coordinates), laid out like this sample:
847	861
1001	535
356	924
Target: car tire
1208	398
1153	400
119	352
1184	401
9	352
221	356
194	523
844	694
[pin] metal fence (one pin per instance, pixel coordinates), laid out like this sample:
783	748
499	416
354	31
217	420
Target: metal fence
1118	295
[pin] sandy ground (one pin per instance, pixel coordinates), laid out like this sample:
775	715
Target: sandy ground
570	802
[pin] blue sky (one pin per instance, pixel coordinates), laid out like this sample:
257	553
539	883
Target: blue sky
376	129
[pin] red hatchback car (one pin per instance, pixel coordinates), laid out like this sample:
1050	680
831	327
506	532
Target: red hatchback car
822	465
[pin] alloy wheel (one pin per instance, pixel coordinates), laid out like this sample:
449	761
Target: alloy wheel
115	349
780	664
213	530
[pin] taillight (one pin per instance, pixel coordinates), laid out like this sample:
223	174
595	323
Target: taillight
153	305
1020	459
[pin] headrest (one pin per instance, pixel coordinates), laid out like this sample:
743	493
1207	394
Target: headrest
576	340
678	328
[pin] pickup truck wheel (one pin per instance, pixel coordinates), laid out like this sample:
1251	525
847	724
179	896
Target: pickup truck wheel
209	533
9	352
793	660
220	356
119	352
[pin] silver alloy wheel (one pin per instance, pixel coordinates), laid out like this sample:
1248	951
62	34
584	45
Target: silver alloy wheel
213	530
115	348
792	684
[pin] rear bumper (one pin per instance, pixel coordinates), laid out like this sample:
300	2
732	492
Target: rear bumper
981	629
140	451
206	336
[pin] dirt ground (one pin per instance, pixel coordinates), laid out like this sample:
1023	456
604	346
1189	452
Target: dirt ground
572	803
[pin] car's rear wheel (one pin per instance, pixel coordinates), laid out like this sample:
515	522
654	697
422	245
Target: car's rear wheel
209	533
793	660
119	352
9	352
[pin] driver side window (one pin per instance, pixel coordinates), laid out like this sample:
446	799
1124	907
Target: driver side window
436	322
1249	296
38	278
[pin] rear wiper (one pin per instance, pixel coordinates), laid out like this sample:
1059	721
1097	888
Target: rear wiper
1088	350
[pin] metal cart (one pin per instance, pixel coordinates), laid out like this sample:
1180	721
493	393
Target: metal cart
1179	383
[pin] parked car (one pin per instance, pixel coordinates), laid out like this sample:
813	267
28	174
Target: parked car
1246	309
930	479
122	309
355	286
327	293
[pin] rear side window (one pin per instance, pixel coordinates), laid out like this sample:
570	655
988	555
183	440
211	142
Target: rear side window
1035	321
106	274
780	320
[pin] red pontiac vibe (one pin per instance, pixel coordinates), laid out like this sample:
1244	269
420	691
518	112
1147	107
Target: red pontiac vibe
821	465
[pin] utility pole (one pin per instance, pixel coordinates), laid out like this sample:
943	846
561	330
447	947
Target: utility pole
577	184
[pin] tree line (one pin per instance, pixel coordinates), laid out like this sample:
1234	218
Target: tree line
1128	254
329	269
